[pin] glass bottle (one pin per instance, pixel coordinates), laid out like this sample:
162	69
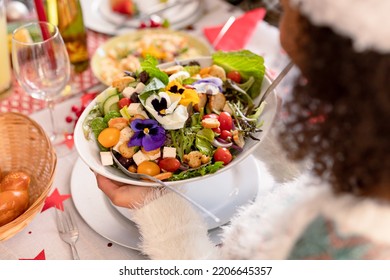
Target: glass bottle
5	65
68	16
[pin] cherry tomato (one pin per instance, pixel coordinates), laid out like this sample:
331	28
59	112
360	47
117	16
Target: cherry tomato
213	116
216	130
109	136
226	135
226	121
149	168
223	154
169	164
124	101
235	76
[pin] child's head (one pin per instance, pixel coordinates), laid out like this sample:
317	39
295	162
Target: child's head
340	108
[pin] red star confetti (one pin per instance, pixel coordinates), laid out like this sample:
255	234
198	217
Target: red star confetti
69	140
55	200
87	98
40	257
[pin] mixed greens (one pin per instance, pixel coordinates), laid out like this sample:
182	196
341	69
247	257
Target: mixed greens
179	122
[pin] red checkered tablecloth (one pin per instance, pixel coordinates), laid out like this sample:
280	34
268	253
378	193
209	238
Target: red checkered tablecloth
19	101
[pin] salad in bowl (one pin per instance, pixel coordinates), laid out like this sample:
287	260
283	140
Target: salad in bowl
179	121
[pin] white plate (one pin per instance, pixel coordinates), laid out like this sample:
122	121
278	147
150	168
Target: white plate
89	151
221	195
99	17
105	67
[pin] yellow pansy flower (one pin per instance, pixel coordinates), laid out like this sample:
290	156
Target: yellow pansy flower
187	95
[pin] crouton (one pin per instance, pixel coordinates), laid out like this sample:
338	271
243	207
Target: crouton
193	159
210	123
216	102
173	69
202	102
126	151
121	83
217	71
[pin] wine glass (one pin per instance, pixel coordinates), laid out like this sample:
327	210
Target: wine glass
42	68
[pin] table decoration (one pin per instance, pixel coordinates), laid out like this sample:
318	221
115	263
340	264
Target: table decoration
55	200
239	33
17	131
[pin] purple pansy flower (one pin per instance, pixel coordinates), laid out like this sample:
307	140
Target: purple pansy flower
148	134
208	85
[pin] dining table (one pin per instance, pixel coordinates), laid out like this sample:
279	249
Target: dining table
40	239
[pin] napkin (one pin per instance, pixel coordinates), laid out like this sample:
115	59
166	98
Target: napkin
239	33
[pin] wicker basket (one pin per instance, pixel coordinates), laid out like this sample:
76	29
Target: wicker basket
24	146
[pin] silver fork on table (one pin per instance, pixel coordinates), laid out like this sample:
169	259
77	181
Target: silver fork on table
68	230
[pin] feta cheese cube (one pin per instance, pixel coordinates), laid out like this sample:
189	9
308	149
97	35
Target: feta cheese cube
106	158
125	134
128	92
169	152
116	147
155	156
134	108
140	157
137	109
139	88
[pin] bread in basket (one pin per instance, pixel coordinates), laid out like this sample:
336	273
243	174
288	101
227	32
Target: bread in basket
25	147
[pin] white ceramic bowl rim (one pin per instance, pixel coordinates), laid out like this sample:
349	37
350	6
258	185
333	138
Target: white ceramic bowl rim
89	152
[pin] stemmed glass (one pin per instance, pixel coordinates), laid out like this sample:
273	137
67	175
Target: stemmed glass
42	68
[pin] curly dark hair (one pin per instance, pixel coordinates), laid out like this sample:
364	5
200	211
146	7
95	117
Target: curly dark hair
338	116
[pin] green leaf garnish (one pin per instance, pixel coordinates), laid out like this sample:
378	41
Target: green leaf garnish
246	63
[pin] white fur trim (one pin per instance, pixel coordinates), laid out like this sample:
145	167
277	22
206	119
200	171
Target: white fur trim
265	229
366	22
172	229
268	228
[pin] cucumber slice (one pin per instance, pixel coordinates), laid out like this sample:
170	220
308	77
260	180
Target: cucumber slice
102	97
111	104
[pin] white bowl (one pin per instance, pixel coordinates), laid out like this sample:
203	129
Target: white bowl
89	151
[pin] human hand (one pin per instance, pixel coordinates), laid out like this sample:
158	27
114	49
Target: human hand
123	195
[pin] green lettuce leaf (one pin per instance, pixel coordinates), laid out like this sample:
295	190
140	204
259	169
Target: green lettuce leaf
150	66
247	63
202	171
203	141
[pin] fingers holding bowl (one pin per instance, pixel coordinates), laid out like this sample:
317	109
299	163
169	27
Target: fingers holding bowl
122	195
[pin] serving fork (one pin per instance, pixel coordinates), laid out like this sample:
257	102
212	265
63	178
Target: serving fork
68	230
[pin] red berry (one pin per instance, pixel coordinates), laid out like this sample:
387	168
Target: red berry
75	109
154	23
69	119
142	25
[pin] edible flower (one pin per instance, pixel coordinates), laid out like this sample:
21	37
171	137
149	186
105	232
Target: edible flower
147	134
187	95
209	85
165	108
179	76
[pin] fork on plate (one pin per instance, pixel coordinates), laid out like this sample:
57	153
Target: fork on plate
68	230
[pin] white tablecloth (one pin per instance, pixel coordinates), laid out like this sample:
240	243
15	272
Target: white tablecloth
40	238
